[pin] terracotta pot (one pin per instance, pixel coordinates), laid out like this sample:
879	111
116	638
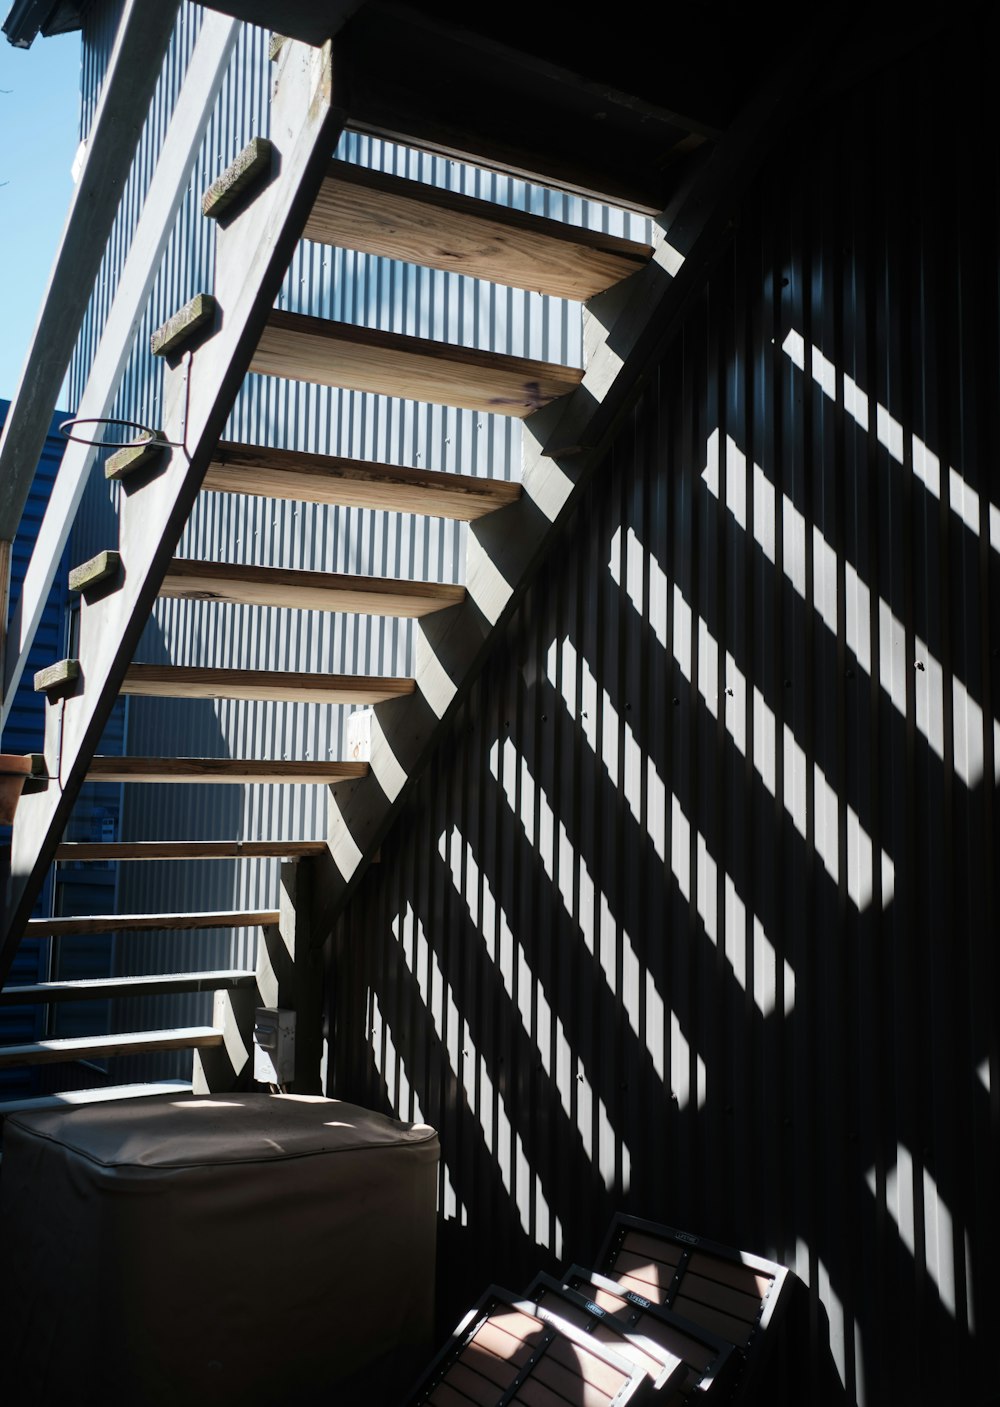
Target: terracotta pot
14	772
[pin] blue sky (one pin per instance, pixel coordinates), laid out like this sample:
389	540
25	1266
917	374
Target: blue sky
39	134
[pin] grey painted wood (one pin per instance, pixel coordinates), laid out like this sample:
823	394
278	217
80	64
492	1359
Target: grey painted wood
98	988
67	926
253	252
166	192
97	1047
143	35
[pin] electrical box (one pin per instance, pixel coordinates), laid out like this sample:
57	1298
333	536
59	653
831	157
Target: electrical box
273	1046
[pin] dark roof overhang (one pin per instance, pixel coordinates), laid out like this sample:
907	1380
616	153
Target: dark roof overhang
27	18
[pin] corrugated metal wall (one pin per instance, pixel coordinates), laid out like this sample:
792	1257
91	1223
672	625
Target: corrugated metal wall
325	282
696	913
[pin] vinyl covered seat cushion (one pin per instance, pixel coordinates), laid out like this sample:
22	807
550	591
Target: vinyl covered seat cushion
229	1248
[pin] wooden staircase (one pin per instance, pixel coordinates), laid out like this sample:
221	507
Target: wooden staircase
272	196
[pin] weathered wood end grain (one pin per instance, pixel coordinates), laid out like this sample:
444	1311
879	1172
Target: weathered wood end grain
239	178
101	567
57	678
182	326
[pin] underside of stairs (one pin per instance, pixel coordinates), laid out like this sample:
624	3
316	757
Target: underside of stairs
444	80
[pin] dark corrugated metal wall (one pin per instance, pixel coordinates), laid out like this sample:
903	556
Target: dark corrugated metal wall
328	283
696	912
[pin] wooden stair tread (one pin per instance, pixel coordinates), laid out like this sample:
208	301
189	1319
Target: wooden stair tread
99	988
354	483
198	682
377	213
305	348
94	1047
237	771
107	1094
83	851
62	926
193	580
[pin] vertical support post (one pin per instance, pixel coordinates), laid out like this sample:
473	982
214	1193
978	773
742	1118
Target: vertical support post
290	973
230	1065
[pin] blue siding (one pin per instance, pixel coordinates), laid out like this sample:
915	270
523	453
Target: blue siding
25	733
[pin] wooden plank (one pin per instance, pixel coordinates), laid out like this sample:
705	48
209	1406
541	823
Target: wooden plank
494	1336
77	263
253	251
329	353
695	1353
489	1365
473	1386
105	1094
653	1247
225	771
131	458
97	1047
725	1297
628	331
111	851
748	1278
639	1286
94	988
377	213
737	1331
355	483
62	927
576	1375
643	1267
306	590
237	771
166	681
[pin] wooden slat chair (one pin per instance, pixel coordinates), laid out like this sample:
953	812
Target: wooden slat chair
510	1350
735	1294
710	1361
666	1368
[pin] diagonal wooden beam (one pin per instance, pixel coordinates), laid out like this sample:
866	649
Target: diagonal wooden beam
168	187
253	253
627	331
140	45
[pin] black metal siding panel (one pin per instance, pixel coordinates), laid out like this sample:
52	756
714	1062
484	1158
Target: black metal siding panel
730	781
324	282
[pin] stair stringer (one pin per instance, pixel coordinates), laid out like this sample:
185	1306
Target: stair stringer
253	253
627	330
